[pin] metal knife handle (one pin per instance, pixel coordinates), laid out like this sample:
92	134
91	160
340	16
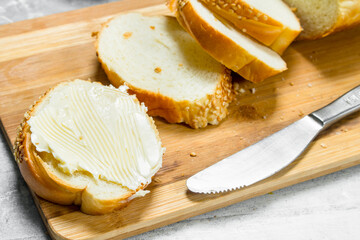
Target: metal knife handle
338	109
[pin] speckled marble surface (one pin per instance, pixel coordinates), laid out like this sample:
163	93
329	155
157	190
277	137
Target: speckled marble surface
324	208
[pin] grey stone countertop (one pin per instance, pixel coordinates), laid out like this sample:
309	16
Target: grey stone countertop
324	208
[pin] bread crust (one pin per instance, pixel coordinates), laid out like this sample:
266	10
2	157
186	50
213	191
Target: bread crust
245	18
222	48
210	109
48	185
255	23
256	71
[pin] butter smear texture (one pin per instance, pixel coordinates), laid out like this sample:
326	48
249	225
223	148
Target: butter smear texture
100	130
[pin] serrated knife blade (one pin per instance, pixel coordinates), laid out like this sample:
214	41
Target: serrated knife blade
273	153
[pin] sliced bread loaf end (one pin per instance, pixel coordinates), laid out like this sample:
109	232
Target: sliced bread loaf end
321	18
165	68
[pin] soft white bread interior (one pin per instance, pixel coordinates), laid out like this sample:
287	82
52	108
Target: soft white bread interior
234	49
319	18
165	68
271	22
87	144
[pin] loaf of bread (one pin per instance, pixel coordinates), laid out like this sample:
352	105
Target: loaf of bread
165	68
87	144
271	22
233	48
320	18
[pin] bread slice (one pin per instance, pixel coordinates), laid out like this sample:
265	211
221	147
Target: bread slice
165	68
234	49
321	18
87	144
271	22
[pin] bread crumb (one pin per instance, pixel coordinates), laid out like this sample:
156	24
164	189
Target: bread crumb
291	84
182	4
309	85
152	27
236	86
157	70
244	30
94	34
264	117
281	117
192	154
323	145
252	90
344	129
157	180
301	113
270	193
337	133
127	35
180	65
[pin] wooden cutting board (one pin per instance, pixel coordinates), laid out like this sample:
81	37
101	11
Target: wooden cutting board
37	54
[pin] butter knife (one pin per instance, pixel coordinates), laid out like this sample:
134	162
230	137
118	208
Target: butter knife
273	153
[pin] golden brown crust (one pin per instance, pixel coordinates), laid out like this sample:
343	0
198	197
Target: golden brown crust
36	175
31	167
255	23
172	5
286	37
46	184
210	109
240	8
222	48
256	71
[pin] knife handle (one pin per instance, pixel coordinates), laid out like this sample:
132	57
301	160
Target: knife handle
338	109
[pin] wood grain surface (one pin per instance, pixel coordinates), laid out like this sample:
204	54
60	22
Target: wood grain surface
37	54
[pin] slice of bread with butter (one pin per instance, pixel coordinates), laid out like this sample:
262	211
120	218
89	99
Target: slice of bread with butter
88	144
